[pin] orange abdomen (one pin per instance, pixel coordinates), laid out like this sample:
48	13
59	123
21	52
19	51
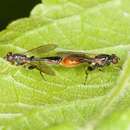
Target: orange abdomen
70	61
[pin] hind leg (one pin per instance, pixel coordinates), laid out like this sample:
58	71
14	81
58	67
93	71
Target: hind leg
42	75
86	75
34	67
87	69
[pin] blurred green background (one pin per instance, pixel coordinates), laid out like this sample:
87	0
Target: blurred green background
13	9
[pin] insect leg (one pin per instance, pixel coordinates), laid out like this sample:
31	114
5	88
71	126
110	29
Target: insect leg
91	68
86	75
100	69
87	69
42	75
31	67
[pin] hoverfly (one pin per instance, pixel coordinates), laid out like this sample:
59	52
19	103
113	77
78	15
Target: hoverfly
32	62
72	59
94	61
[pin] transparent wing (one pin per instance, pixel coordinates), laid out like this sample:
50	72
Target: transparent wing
63	53
41	49
42	67
82	54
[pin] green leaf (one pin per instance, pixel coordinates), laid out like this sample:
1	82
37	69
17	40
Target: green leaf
63	101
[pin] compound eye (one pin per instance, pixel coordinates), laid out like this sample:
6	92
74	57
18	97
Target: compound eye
115	61
10	58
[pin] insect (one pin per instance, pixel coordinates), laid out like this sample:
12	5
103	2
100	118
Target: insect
32	62
72	59
94	61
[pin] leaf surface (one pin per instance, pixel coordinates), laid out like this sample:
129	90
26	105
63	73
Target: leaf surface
62	101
